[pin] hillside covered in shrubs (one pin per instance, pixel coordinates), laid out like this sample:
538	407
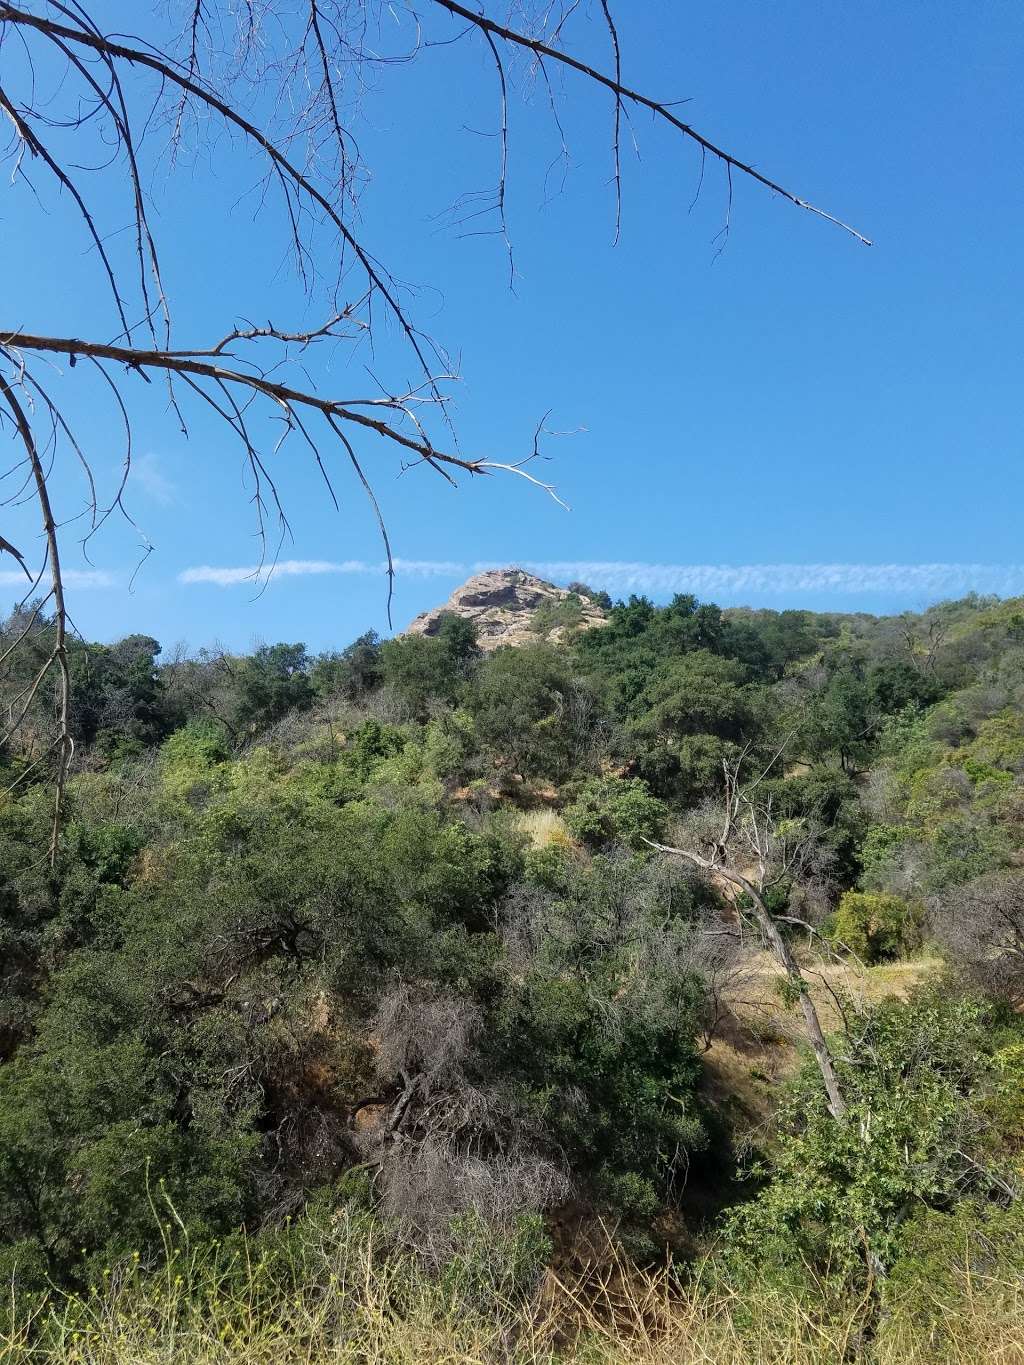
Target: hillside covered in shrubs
361	1010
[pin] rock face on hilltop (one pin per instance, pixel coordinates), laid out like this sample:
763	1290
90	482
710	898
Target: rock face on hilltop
513	607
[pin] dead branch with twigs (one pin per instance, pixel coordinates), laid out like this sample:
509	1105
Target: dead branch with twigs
93	116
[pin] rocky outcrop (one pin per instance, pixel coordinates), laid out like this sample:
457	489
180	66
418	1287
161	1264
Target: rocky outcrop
513	607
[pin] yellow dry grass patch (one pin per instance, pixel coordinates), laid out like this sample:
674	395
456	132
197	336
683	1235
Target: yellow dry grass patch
544	828
759	1042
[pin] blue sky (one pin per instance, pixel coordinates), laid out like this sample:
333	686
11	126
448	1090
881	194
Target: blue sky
794	420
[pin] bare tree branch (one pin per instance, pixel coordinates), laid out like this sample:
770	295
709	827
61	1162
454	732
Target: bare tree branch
631	96
190	363
305	80
63	743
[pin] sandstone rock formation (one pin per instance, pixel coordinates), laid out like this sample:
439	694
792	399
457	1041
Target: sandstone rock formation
513	607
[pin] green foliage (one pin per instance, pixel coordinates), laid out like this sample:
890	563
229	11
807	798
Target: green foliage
487	1264
946	1258
963	849
353	673
597	596
698	694
895	684
270	683
248	947
998	746
119	701
615	810
521	705
770	641
422	669
831	800
641	641
695	711
882	843
874	926
841	719
914	1138
563	615
599	1020
184	1029
214	981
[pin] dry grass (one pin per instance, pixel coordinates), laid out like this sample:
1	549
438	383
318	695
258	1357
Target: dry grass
833	983
368	1310
758	1043
544	827
982	1322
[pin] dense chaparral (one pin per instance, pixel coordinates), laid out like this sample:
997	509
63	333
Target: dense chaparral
373	957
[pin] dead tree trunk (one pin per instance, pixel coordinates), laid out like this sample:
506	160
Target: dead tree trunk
784	956
757	829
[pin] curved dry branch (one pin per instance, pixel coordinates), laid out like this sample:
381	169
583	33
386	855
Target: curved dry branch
35	148
139	57
63	743
190	363
754	829
613	33
625	93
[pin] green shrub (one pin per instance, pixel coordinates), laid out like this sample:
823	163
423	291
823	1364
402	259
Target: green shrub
616	810
874	926
917	1081
595	1030
882	846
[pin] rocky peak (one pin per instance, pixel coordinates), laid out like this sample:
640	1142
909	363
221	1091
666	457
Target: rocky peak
513	607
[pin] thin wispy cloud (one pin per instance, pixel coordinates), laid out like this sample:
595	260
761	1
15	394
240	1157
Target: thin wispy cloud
147	475
73	578
229	576
730	581
930	580
428	568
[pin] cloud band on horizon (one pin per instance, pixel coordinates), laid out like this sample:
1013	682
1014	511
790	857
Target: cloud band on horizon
788	578
72	578
936	579
229	576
